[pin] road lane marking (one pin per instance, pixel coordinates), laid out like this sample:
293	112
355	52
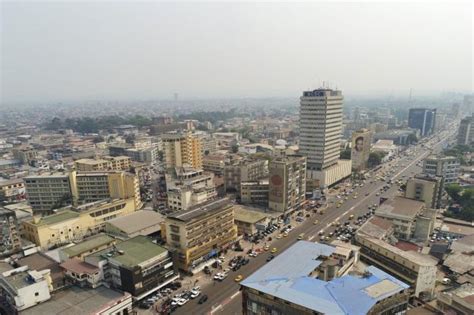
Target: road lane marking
234	295
215	309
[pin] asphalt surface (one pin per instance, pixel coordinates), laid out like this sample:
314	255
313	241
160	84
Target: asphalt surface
225	298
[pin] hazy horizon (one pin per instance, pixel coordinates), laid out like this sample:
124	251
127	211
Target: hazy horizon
77	51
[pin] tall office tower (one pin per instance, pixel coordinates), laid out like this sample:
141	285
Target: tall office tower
423	119
320	135
182	149
456	111
466	131
321	127
468	103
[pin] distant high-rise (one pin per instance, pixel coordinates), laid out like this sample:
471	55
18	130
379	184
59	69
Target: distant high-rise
320	136
466	131
423	119
321	127
468	103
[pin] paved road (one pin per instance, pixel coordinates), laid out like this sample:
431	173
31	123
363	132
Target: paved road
225	297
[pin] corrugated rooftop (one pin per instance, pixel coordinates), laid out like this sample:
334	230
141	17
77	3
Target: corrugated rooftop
288	278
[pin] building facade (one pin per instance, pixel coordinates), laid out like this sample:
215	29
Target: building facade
416	269
244	171
466	131
75	223
444	166
287	185
425	188
187	187
423	119
182	149
200	233
320	127
254	192
360	149
10	240
107	163
50	191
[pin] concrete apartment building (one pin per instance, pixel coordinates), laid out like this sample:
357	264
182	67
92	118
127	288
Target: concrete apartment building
416	269
249	222
10	239
22	288
244	170
137	266
196	235
214	163
292	286
106	163
187	187
87	247
12	190
53	190
445	166
72	224
182	149
466	131
425	188
255	192
320	136
458	300
287	187
410	218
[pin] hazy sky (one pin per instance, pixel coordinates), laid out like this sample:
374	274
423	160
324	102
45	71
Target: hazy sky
129	50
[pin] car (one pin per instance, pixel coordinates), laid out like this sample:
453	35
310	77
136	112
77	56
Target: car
351	217
203	299
266	248
194	294
238	278
145	305
321	233
270	257
274	250
315	222
279	236
253	254
285	234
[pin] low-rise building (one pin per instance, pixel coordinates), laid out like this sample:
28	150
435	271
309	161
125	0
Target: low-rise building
75	223
289	285
137	266
418	270
106	163
249	221
425	188
255	192
458	300
79	301
22	288
214	163
410	218
12	190
87	247
200	233
386	146
143	222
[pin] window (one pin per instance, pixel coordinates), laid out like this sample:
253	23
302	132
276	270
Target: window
36	293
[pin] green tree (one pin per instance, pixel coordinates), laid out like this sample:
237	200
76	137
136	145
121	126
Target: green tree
235	148
375	158
412	138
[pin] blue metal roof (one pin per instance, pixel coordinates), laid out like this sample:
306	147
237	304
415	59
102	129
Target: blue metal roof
287	277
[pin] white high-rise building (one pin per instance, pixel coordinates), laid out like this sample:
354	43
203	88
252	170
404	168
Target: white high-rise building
321	127
320	136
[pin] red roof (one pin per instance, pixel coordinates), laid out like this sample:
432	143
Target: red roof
78	266
407	246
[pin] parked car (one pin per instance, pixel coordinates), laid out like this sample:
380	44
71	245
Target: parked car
203	299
